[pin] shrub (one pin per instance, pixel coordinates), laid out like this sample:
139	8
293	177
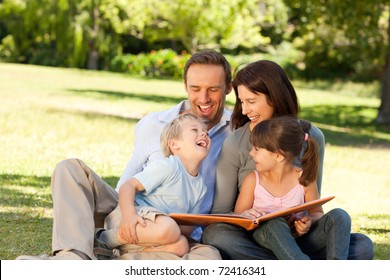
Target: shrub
156	64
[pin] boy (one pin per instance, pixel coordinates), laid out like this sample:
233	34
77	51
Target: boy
164	186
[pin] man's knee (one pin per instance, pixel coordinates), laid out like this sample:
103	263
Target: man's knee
66	164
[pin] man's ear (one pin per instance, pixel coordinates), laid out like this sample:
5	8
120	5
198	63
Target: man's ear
229	88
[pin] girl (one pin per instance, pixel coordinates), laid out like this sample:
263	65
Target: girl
277	184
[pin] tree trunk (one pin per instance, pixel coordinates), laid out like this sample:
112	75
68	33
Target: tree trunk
384	109
93	53
93	59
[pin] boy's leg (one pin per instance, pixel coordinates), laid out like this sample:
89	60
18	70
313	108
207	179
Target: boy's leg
81	201
161	233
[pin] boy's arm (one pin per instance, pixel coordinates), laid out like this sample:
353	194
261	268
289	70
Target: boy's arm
130	218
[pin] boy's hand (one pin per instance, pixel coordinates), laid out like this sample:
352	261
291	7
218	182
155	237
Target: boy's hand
127	228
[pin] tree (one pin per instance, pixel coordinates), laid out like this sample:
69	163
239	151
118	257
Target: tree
346	34
76	33
201	24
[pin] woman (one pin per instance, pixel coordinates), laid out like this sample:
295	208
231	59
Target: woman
262	91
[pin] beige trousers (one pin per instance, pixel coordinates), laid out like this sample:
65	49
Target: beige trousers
81	202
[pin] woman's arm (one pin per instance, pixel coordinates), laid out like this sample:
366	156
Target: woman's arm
319	137
226	178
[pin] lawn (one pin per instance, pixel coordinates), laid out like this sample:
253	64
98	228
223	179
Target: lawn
49	114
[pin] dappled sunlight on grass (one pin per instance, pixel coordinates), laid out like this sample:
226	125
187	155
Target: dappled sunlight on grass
377	227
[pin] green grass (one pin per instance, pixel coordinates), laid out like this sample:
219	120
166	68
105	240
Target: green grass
49	114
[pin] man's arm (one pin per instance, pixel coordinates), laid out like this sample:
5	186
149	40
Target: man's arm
146	148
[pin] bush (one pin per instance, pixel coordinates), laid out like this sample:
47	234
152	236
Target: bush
156	64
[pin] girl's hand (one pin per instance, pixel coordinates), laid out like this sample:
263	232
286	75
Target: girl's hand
252	213
127	228
302	226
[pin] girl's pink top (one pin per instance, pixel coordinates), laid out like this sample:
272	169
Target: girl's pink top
268	203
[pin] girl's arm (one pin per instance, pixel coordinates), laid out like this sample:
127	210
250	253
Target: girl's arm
130	218
311	193
302	226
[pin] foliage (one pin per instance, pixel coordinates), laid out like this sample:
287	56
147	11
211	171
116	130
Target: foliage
340	39
166	63
335	39
66	32
158	64
205	24
73	32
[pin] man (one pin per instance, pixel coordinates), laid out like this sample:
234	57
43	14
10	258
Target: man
82	200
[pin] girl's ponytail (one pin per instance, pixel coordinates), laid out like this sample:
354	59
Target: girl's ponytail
309	162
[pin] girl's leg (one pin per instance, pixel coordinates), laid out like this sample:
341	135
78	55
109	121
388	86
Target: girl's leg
332	232
275	235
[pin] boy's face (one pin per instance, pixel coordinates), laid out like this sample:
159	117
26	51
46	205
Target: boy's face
206	89
194	142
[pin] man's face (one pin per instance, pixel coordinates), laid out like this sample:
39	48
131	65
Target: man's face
207	91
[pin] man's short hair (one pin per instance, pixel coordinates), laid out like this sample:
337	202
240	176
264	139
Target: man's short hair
210	57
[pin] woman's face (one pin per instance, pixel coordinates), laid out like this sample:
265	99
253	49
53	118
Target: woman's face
254	106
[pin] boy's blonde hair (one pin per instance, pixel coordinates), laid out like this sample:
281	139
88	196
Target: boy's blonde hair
173	130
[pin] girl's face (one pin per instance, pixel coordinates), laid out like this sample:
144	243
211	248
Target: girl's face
254	106
264	160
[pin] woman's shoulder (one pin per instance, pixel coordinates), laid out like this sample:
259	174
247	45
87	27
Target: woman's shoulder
238	134
317	134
